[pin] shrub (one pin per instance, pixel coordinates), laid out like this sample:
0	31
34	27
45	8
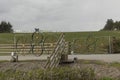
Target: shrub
56	74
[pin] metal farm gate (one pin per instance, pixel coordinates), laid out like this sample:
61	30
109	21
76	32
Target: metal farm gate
96	45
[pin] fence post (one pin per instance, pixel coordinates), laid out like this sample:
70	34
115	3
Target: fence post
14	57
14	43
110	47
69	48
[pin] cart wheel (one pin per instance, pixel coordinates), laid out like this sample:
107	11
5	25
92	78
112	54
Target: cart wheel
37	44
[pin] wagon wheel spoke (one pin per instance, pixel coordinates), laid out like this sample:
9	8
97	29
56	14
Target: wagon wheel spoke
37	44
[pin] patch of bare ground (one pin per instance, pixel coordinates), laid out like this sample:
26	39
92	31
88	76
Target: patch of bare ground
101	69
22	66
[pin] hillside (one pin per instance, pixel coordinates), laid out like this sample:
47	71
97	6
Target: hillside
8	38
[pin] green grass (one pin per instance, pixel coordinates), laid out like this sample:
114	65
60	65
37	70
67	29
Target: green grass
76	35
56	74
115	64
97	62
62	73
8	38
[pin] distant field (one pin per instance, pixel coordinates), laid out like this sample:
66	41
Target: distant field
8	38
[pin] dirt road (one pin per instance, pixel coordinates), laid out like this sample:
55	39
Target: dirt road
103	57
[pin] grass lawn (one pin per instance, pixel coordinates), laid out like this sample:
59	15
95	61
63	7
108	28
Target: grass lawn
8	38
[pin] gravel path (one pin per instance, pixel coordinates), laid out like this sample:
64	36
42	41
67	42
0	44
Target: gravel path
103	57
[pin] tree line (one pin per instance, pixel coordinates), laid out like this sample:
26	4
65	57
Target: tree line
111	25
5	27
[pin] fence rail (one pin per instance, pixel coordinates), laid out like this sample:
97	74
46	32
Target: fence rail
8	48
81	45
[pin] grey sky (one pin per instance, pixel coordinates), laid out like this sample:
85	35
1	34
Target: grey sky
59	15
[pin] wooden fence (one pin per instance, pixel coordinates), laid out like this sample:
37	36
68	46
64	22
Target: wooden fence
8	48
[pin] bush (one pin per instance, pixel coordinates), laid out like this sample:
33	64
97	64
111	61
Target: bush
64	73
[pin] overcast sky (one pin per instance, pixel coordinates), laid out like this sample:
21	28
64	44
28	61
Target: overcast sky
59	15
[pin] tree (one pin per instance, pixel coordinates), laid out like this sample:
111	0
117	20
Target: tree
109	25
117	25
5	27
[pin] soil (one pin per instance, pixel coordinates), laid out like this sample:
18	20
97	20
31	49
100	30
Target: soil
100	70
